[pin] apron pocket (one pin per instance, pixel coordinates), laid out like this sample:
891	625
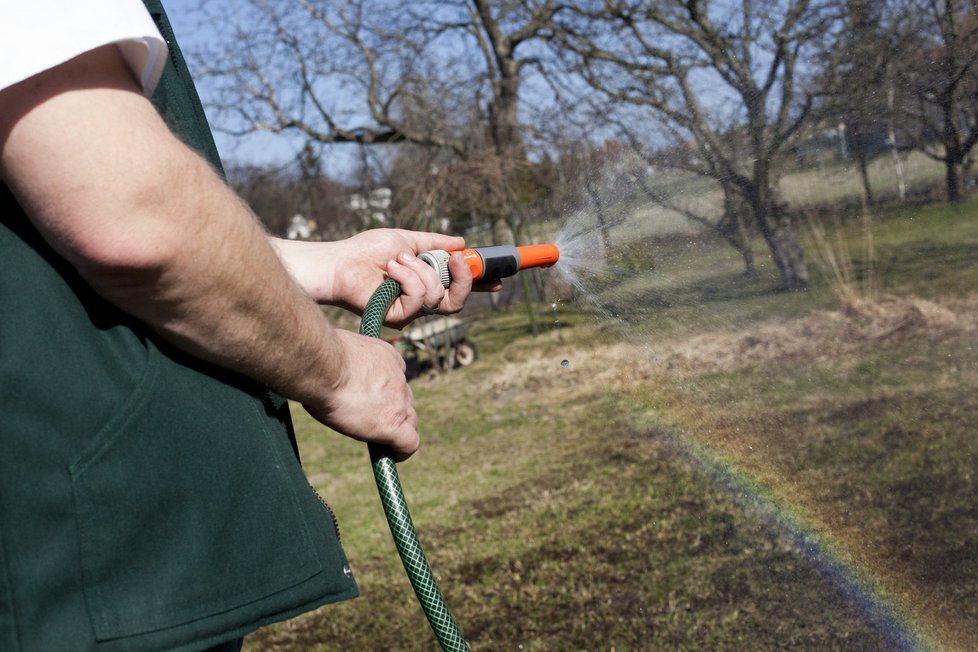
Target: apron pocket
186	506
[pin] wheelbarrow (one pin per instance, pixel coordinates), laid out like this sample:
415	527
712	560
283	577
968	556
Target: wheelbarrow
442	340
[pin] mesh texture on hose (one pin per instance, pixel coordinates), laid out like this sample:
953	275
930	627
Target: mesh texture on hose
395	507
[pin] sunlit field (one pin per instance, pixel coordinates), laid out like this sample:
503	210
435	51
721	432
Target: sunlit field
720	465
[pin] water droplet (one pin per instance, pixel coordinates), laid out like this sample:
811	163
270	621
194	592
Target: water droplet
565	363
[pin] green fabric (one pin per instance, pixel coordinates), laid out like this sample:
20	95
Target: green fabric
176	98
147	500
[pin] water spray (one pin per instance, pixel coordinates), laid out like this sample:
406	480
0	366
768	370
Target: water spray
487	264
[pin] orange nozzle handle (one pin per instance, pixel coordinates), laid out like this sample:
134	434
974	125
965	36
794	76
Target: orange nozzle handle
494	262
474	261
499	261
541	255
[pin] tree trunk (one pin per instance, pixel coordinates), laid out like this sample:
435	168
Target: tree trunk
864	174
735	233
779	234
952	180
733	229
788	254
599	212
504	114
952	151
746	252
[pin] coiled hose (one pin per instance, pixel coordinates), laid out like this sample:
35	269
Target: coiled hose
395	507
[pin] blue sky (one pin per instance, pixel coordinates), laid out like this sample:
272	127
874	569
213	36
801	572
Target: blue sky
261	149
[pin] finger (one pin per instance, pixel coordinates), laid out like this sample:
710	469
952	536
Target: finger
399	359
460	287
406	441
412	416
434	290
424	241
488	286
412	291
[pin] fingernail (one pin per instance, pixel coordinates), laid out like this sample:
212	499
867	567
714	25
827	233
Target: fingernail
407	256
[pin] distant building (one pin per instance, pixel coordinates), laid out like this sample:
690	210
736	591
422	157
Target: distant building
372	208
300	228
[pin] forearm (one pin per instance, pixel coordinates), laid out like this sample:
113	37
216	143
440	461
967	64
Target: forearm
312	265
221	293
154	230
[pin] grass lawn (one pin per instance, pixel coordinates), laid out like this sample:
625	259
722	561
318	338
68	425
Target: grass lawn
720	467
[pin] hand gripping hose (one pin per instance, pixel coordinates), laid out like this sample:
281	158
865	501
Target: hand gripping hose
395	507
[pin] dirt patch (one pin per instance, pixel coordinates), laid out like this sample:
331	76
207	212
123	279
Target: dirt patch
819	335
824	333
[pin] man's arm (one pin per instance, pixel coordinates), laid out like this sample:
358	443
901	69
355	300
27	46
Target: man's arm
156	232
345	273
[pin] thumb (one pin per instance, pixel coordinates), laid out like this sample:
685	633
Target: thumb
460	287
405	441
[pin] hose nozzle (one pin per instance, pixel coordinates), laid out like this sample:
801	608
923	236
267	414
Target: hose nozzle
494	262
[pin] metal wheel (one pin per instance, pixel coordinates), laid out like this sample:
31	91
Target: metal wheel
465	353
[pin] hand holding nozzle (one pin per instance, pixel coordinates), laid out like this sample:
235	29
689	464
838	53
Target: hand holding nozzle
493	262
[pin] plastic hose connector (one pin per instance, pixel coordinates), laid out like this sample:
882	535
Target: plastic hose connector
438	259
395	506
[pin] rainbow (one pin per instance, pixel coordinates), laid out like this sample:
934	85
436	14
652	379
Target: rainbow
857	588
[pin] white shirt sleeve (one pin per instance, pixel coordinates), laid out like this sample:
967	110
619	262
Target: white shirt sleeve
36	35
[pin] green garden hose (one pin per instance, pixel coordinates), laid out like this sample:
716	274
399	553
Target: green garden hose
395	507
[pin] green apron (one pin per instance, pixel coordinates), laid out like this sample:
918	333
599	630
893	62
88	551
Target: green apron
148	500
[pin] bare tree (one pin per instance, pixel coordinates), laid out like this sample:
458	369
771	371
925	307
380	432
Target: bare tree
939	65
858	89
726	77
330	72
731	224
278	194
437	74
